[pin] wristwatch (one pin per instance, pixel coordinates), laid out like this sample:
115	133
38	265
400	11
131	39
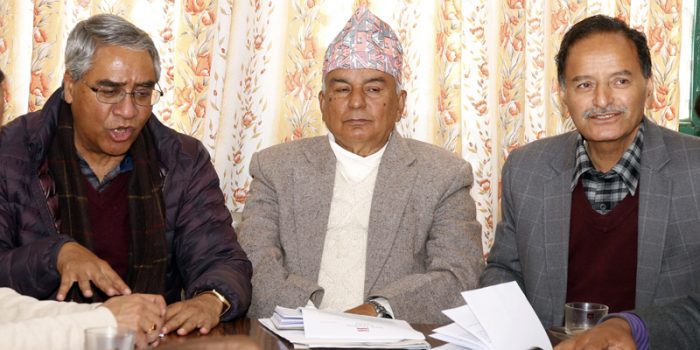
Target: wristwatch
379	309
222	299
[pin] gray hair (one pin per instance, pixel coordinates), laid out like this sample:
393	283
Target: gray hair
107	30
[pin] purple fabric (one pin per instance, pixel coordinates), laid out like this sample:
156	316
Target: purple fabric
639	329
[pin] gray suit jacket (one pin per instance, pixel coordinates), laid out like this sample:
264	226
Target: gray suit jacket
673	326
423	245
532	240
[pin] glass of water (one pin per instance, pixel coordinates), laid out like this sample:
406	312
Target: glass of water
580	316
109	338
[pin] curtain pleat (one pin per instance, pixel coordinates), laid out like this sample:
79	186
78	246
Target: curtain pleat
245	75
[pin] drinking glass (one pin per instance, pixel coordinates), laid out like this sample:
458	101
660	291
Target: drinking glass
109	338
580	316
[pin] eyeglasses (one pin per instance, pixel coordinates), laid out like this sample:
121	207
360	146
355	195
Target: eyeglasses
142	96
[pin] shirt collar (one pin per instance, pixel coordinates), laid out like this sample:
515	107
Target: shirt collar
341	152
627	168
125	165
355	167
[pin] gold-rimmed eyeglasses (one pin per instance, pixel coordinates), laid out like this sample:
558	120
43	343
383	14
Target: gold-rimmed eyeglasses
142	96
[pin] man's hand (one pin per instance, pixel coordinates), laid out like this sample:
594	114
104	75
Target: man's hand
75	263
143	313
366	309
201	312
613	334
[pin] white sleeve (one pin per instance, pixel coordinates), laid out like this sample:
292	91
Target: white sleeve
27	323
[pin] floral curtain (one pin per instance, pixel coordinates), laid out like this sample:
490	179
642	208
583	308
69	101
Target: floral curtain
242	75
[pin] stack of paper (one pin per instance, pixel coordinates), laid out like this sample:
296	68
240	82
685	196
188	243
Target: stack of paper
328	329
497	317
285	318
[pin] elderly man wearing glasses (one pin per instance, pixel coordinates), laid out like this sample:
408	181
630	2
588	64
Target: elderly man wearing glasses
98	198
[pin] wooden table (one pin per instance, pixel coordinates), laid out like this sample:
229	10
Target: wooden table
247	334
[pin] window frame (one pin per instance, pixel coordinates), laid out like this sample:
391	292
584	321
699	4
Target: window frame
691	126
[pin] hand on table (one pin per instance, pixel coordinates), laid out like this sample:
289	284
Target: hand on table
613	334
76	263
201	312
366	309
143	313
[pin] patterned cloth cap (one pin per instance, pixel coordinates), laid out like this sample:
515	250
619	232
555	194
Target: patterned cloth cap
366	42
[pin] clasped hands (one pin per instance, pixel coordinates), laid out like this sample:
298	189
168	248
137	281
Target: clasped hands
146	314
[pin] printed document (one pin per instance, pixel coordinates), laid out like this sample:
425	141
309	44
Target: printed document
329	329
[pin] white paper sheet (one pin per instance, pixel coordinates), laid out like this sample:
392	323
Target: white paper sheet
286	318
465	318
320	324
300	341
454	334
506	315
449	347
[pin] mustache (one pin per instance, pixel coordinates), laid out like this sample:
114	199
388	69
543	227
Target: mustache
597	111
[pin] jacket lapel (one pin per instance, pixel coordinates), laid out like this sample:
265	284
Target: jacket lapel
392	189
654	207
557	215
313	192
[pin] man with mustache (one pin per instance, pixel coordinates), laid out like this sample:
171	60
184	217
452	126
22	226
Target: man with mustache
98	198
362	220
607	213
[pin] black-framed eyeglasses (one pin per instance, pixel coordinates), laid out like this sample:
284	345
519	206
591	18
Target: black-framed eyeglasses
142	96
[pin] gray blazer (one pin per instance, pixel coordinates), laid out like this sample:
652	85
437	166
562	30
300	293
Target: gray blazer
423	246
532	240
673	326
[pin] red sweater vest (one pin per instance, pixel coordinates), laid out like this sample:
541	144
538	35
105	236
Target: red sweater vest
109	220
603	253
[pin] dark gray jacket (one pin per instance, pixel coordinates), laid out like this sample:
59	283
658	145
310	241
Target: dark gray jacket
532	239
203	252
674	326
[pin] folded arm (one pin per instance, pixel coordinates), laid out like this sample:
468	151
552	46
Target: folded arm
60	325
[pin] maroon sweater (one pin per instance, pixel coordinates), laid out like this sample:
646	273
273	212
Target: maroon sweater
603	253
109	220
